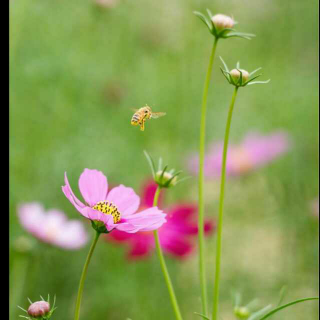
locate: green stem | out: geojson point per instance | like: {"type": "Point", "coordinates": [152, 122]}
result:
{"type": "Point", "coordinates": [221, 202]}
{"type": "Point", "coordinates": [17, 281]}
{"type": "Point", "coordinates": [163, 265]}
{"type": "Point", "coordinates": [202, 274]}
{"type": "Point", "coordinates": [83, 276]}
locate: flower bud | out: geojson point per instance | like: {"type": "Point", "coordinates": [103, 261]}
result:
{"type": "Point", "coordinates": [222, 21]}
{"type": "Point", "coordinates": [163, 178]}
{"type": "Point", "coordinates": [241, 312]}
{"type": "Point", "coordinates": [235, 74]}
{"type": "Point", "coordinates": [39, 309]}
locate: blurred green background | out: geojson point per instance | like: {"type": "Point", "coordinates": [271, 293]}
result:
{"type": "Point", "coordinates": [76, 69]}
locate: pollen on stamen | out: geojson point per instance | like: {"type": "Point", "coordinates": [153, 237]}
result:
{"type": "Point", "coordinates": [108, 208]}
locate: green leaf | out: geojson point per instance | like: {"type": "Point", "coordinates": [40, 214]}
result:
{"type": "Point", "coordinates": [256, 82]}
{"type": "Point", "coordinates": [253, 79]}
{"type": "Point", "coordinates": [160, 164]}
{"type": "Point", "coordinates": [209, 13]}
{"type": "Point", "coordinates": [183, 179]}
{"type": "Point", "coordinates": [247, 36]}
{"type": "Point", "coordinates": [260, 312]}
{"type": "Point", "coordinates": [226, 75]}
{"type": "Point", "coordinates": [282, 293]}
{"type": "Point", "coordinates": [236, 299]}
{"type": "Point", "coordinates": [285, 306]}
{"type": "Point", "coordinates": [224, 64]}
{"type": "Point", "coordinates": [151, 163]}
{"type": "Point", "coordinates": [251, 73]}
{"type": "Point", "coordinates": [204, 19]}
{"type": "Point", "coordinates": [201, 315]}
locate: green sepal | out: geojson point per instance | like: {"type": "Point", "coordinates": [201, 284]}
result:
{"type": "Point", "coordinates": [259, 313]}
{"type": "Point", "coordinates": [285, 306]}
{"type": "Point", "coordinates": [151, 163]}
{"type": "Point", "coordinates": [99, 226]}
{"type": "Point", "coordinates": [201, 315]}
{"type": "Point", "coordinates": [259, 82]}
{"type": "Point", "coordinates": [204, 20]}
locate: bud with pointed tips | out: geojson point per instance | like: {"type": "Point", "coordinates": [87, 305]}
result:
{"type": "Point", "coordinates": [239, 77]}
{"type": "Point", "coordinates": [40, 310]}
{"type": "Point", "coordinates": [164, 177]}
{"type": "Point", "coordinates": [221, 26]}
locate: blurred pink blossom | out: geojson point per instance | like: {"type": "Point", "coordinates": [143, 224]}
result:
{"type": "Point", "coordinates": [253, 152]}
{"type": "Point", "coordinates": [116, 208]}
{"type": "Point", "coordinates": [52, 226]}
{"type": "Point", "coordinates": [174, 235]}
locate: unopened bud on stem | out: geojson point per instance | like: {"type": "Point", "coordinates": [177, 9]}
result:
{"type": "Point", "coordinates": [242, 312]}
{"type": "Point", "coordinates": [235, 74]}
{"type": "Point", "coordinates": [222, 21]}
{"type": "Point", "coordinates": [39, 309]}
{"type": "Point", "coordinates": [164, 177]}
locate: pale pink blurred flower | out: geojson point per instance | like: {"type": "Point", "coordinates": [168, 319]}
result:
{"type": "Point", "coordinates": [52, 226]}
{"type": "Point", "coordinates": [253, 152]}
{"type": "Point", "coordinates": [175, 235]}
{"type": "Point", "coordinates": [116, 208]}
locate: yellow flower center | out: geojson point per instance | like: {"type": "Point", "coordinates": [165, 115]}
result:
{"type": "Point", "coordinates": [108, 208]}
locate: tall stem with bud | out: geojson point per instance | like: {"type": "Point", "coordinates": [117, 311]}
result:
{"type": "Point", "coordinates": [221, 203]}
{"type": "Point", "coordinates": [202, 273]}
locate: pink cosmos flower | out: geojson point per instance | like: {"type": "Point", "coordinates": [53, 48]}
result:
{"type": "Point", "coordinates": [254, 152]}
{"type": "Point", "coordinates": [174, 235]}
{"type": "Point", "coordinates": [52, 226]}
{"type": "Point", "coordinates": [115, 209]}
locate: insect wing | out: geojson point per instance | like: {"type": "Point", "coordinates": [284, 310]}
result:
{"type": "Point", "coordinates": [155, 115]}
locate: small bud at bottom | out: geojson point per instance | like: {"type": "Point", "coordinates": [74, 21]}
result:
{"type": "Point", "coordinates": [39, 309]}
{"type": "Point", "coordinates": [242, 312]}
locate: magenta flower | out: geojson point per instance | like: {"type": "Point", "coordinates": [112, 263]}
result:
{"type": "Point", "coordinates": [174, 235]}
{"type": "Point", "coordinates": [115, 209]}
{"type": "Point", "coordinates": [254, 152]}
{"type": "Point", "coordinates": [52, 226]}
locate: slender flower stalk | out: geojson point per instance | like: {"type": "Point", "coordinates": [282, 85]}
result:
{"type": "Point", "coordinates": [163, 264]}
{"type": "Point", "coordinates": [221, 203]}
{"type": "Point", "coordinates": [220, 26]}
{"type": "Point", "coordinates": [238, 78]}
{"type": "Point", "coordinates": [84, 274]}
{"type": "Point", "coordinates": [201, 180]}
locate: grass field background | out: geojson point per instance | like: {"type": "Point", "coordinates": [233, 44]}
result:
{"type": "Point", "coordinates": [77, 69]}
